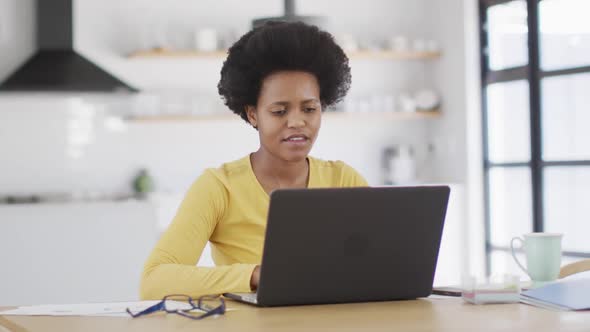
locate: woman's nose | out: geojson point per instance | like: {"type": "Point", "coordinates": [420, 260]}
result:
{"type": "Point", "coordinates": [296, 120]}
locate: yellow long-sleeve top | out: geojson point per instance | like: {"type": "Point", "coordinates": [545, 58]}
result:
{"type": "Point", "coordinates": [228, 207]}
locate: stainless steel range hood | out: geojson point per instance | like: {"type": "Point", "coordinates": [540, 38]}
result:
{"type": "Point", "coordinates": [56, 66]}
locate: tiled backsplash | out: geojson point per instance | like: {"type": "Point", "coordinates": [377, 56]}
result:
{"type": "Point", "coordinates": [80, 143]}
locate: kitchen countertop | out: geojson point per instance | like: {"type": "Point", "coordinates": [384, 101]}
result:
{"type": "Point", "coordinates": [14, 199]}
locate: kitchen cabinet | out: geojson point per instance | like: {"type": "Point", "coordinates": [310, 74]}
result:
{"type": "Point", "coordinates": [74, 252]}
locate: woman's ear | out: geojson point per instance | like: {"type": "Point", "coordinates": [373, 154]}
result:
{"type": "Point", "coordinates": [251, 113]}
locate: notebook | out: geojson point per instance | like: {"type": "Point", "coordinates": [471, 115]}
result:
{"type": "Point", "coordinates": [562, 295]}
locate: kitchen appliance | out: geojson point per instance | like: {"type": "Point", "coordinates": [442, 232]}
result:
{"type": "Point", "coordinates": [56, 66]}
{"type": "Point", "coordinates": [290, 16]}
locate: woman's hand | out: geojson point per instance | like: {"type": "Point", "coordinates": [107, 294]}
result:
{"type": "Point", "coordinates": [255, 278]}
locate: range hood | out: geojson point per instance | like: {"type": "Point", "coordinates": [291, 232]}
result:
{"type": "Point", "coordinates": [56, 66]}
{"type": "Point", "coordinates": [290, 16]}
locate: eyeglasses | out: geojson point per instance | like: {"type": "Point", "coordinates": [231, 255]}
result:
{"type": "Point", "coordinates": [184, 305]}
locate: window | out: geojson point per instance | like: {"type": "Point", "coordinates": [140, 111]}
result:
{"type": "Point", "coordinates": [536, 78]}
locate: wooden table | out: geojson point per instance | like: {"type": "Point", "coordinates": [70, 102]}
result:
{"type": "Point", "coordinates": [432, 314]}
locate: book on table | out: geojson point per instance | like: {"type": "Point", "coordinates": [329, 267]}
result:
{"type": "Point", "coordinates": [566, 294]}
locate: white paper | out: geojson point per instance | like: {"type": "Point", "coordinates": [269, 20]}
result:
{"type": "Point", "coordinates": [115, 309]}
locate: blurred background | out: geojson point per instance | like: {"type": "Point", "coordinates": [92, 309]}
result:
{"type": "Point", "coordinates": [109, 110]}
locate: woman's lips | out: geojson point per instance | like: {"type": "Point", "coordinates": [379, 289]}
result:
{"type": "Point", "coordinates": [296, 140]}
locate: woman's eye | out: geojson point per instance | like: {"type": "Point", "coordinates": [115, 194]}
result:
{"type": "Point", "coordinates": [310, 109]}
{"type": "Point", "coordinates": [279, 112]}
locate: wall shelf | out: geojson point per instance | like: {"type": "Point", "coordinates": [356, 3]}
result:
{"type": "Point", "coordinates": [394, 55]}
{"type": "Point", "coordinates": [327, 115]}
{"type": "Point", "coordinates": [368, 55]}
{"type": "Point", "coordinates": [170, 54]}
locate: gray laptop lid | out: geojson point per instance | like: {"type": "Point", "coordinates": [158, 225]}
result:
{"type": "Point", "coordinates": [351, 244]}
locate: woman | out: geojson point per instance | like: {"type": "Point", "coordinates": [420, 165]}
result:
{"type": "Point", "coordinates": [278, 78]}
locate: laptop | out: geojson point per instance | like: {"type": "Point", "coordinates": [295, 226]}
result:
{"type": "Point", "coordinates": [339, 245]}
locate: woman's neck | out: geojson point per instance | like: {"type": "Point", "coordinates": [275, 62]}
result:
{"type": "Point", "coordinates": [275, 173]}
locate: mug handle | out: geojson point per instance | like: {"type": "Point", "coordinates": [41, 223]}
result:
{"type": "Point", "coordinates": [514, 255]}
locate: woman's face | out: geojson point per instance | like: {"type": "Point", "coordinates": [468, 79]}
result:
{"type": "Point", "coordinates": [288, 114]}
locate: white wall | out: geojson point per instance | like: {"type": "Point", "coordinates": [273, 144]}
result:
{"type": "Point", "coordinates": [474, 203]}
{"type": "Point", "coordinates": [58, 143]}
{"type": "Point", "coordinates": [458, 135]}
{"type": "Point", "coordinates": [449, 74]}
{"type": "Point", "coordinates": [17, 34]}
{"type": "Point", "coordinates": [105, 34]}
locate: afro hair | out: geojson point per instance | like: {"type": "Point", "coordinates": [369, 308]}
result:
{"type": "Point", "coordinates": [279, 46]}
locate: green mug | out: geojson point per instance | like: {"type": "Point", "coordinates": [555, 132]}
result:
{"type": "Point", "coordinates": [543, 255]}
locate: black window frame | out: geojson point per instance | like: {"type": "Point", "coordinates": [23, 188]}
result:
{"type": "Point", "coordinates": [532, 73]}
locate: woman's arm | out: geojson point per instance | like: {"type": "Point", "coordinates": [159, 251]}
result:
{"type": "Point", "coordinates": [170, 269]}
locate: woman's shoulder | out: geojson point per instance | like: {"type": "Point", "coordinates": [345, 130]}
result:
{"type": "Point", "coordinates": [329, 165]}
{"type": "Point", "coordinates": [228, 172]}
{"type": "Point", "coordinates": [338, 172]}
{"type": "Point", "coordinates": [219, 180]}
{"type": "Point", "coordinates": [231, 168]}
